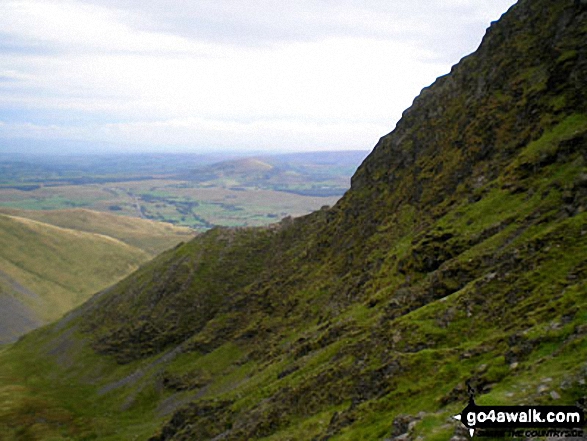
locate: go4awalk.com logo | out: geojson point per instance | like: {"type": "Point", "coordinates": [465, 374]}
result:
{"type": "Point", "coordinates": [560, 420]}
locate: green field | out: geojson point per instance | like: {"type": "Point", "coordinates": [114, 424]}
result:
{"type": "Point", "coordinates": [244, 192]}
{"type": "Point", "coordinates": [177, 202]}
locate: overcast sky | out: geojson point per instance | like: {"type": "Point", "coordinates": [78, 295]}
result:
{"type": "Point", "coordinates": [209, 75]}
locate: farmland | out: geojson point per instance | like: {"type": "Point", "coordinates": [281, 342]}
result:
{"type": "Point", "coordinates": [196, 191]}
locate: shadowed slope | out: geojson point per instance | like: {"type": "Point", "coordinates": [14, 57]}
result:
{"type": "Point", "coordinates": [15, 318]}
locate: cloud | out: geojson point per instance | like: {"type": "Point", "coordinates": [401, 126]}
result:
{"type": "Point", "coordinates": [268, 21]}
{"type": "Point", "coordinates": [275, 135]}
{"type": "Point", "coordinates": [226, 73]}
{"type": "Point", "coordinates": [208, 134]}
{"type": "Point", "coordinates": [336, 78]}
{"type": "Point", "coordinates": [68, 26]}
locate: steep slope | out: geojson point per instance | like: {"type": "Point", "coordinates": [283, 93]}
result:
{"type": "Point", "coordinates": [45, 271]}
{"type": "Point", "coordinates": [150, 236]}
{"type": "Point", "coordinates": [458, 256]}
{"type": "Point", "coordinates": [16, 318]}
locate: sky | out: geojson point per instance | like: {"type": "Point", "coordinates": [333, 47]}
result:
{"type": "Point", "coordinates": [222, 75]}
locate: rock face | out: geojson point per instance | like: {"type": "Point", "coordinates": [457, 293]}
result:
{"type": "Point", "coordinates": [457, 257]}
{"type": "Point", "coordinates": [460, 133]}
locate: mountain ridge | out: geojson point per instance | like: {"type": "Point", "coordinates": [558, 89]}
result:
{"type": "Point", "coordinates": [151, 236]}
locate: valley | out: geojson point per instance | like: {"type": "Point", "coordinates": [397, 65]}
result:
{"type": "Point", "coordinates": [72, 226]}
{"type": "Point", "coordinates": [194, 191]}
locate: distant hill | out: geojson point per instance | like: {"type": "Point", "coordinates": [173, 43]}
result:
{"type": "Point", "coordinates": [237, 170]}
{"type": "Point", "coordinates": [342, 158]}
{"type": "Point", "coordinates": [327, 171]}
{"type": "Point", "coordinates": [241, 166]}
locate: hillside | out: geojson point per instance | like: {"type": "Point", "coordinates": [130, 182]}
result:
{"type": "Point", "coordinates": [150, 236]}
{"type": "Point", "coordinates": [45, 270]}
{"type": "Point", "coordinates": [458, 257]}
{"type": "Point", "coordinates": [54, 263]}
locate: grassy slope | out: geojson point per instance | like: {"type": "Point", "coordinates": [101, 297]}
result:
{"type": "Point", "coordinates": [152, 237]}
{"type": "Point", "coordinates": [458, 255]}
{"type": "Point", "coordinates": [52, 269]}
{"type": "Point", "coordinates": [52, 261]}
